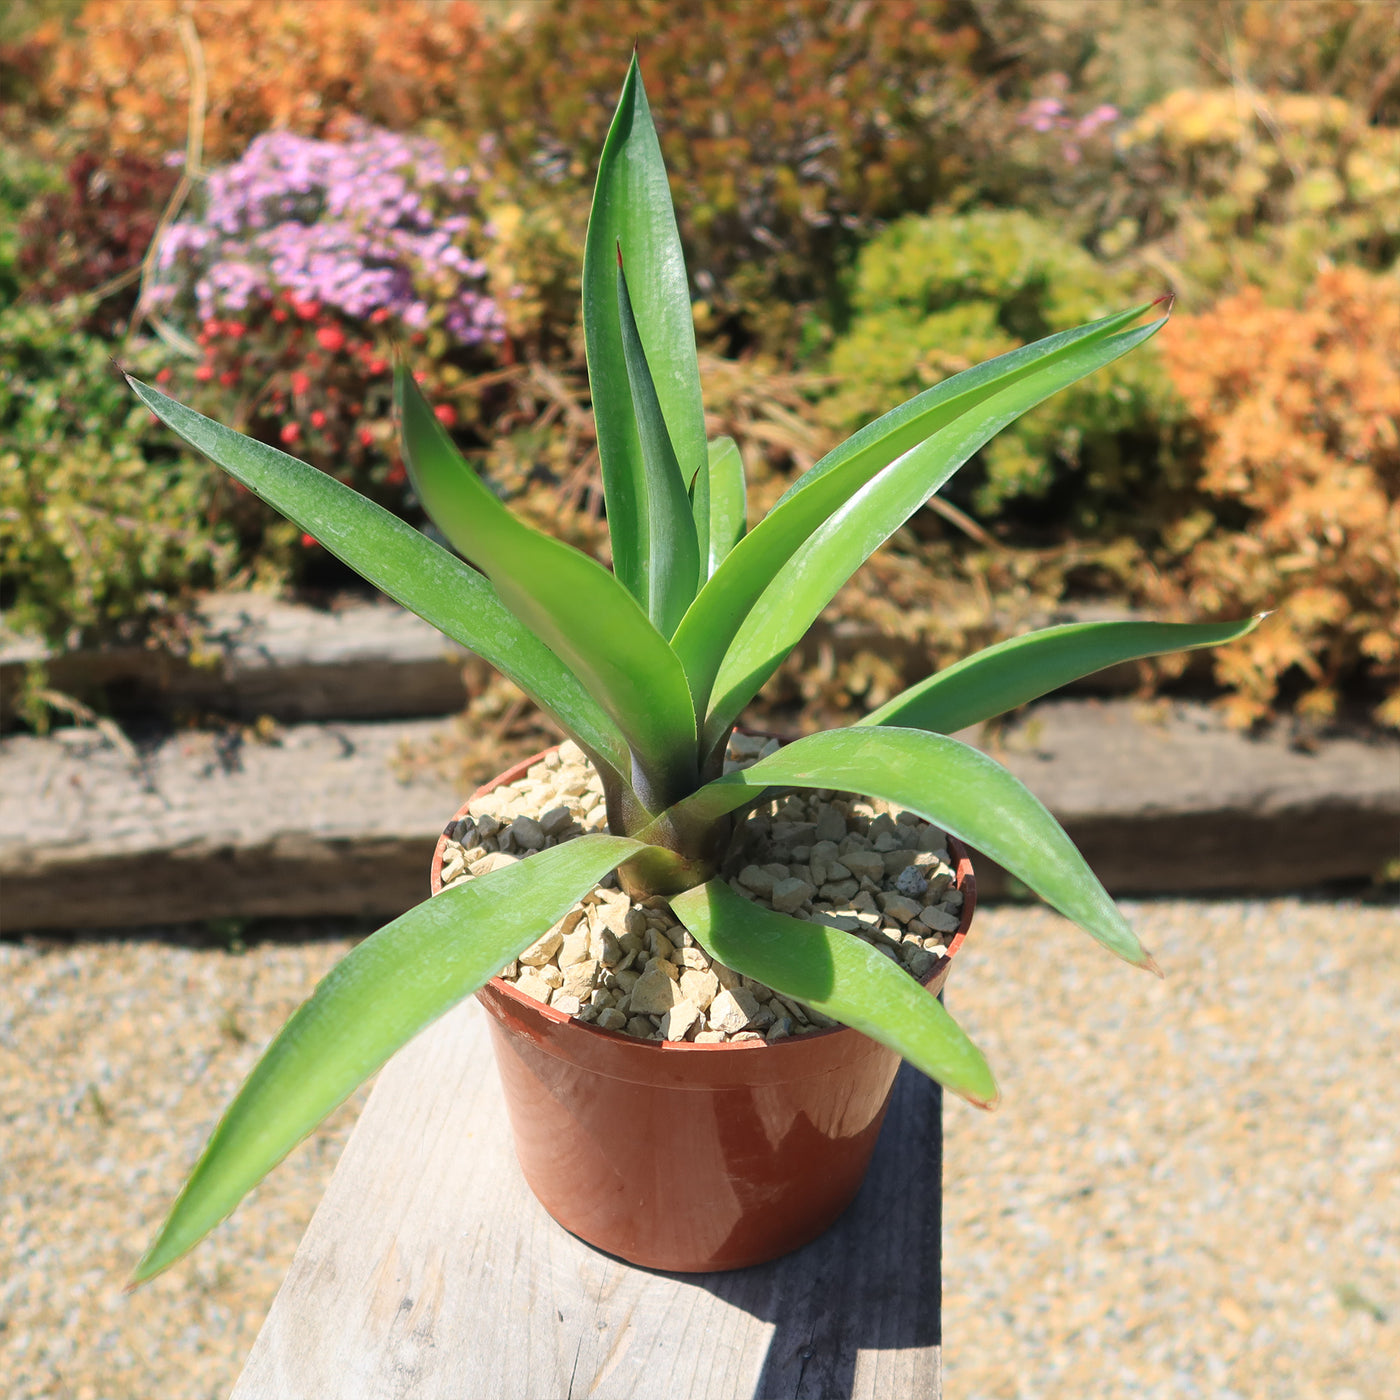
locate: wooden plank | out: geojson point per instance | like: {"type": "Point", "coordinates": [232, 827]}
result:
{"type": "Point", "coordinates": [359, 660]}
{"type": "Point", "coordinates": [206, 825]}
{"type": "Point", "coordinates": [430, 1272]}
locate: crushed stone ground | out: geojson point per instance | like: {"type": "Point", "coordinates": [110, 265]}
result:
{"type": "Point", "coordinates": [1192, 1188]}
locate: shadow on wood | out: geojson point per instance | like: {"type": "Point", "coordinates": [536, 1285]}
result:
{"type": "Point", "coordinates": [872, 1284]}
{"type": "Point", "coordinates": [430, 1272]}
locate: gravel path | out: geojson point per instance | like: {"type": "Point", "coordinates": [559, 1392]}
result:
{"type": "Point", "coordinates": [1206, 1202]}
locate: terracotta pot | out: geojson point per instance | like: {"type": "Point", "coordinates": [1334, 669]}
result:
{"type": "Point", "coordinates": [690, 1158]}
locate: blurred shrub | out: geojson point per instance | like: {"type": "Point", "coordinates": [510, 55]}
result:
{"type": "Point", "coordinates": [24, 179]}
{"type": "Point", "coordinates": [104, 531]}
{"type": "Point", "coordinates": [1342, 47]}
{"type": "Point", "coordinates": [1300, 411]}
{"type": "Point", "coordinates": [936, 295]}
{"type": "Point", "coordinates": [789, 128]}
{"type": "Point", "coordinates": [123, 75]}
{"type": "Point", "coordinates": [304, 260]}
{"type": "Point", "coordinates": [1236, 188]}
{"type": "Point", "coordinates": [91, 235]}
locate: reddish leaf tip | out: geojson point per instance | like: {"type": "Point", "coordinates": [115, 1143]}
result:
{"type": "Point", "coordinates": [1167, 299]}
{"type": "Point", "coordinates": [1150, 963]}
{"type": "Point", "coordinates": [619, 255]}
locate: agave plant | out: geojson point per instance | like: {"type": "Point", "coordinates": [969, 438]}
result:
{"type": "Point", "coordinates": [649, 666]}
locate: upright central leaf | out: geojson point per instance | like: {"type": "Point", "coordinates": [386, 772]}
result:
{"type": "Point", "coordinates": [673, 554]}
{"type": "Point", "coordinates": [632, 207]}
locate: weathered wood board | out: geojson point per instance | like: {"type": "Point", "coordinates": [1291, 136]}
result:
{"type": "Point", "coordinates": [430, 1272]}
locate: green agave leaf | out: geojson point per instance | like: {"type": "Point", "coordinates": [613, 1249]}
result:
{"type": "Point", "coordinates": [952, 785]}
{"type": "Point", "coordinates": [404, 564]}
{"type": "Point", "coordinates": [672, 569]}
{"type": "Point", "coordinates": [376, 999]}
{"type": "Point", "coordinates": [567, 599]}
{"type": "Point", "coordinates": [719, 610]}
{"type": "Point", "coordinates": [841, 977]}
{"type": "Point", "coordinates": [720, 500]}
{"type": "Point", "coordinates": [1020, 670]}
{"type": "Point", "coordinates": [632, 206]}
{"type": "Point", "coordinates": [811, 577]}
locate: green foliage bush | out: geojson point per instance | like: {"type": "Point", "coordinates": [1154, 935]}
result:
{"type": "Point", "coordinates": [933, 295]}
{"type": "Point", "coordinates": [24, 178]}
{"type": "Point", "coordinates": [102, 532]}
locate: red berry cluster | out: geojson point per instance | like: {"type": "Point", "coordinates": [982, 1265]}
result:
{"type": "Point", "coordinates": [302, 377]}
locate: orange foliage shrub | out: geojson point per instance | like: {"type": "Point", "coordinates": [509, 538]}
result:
{"type": "Point", "coordinates": [1300, 411]}
{"type": "Point", "coordinates": [123, 76]}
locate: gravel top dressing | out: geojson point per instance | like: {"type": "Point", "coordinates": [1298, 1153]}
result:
{"type": "Point", "coordinates": [1191, 1189]}
{"type": "Point", "coordinates": [831, 858]}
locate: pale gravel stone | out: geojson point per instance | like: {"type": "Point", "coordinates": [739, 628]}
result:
{"type": "Point", "coordinates": [655, 991]}
{"type": "Point", "coordinates": [678, 1020]}
{"type": "Point", "coordinates": [493, 860]}
{"type": "Point", "coordinates": [574, 949]}
{"type": "Point", "coordinates": [699, 987]}
{"type": "Point", "coordinates": [731, 1011]}
{"type": "Point", "coordinates": [566, 1002]}
{"type": "Point", "coordinates": [710, 1038]}
{"type": "Point", "coordinates": [552, 975]}
{"type": "Point", "coordinates": [581, 978]}
{"type": "Point", "coordinates": [758, 880]}
{"type": "Point", "coordinates": [897, 861]}
{"type": "Point", "coordinates": [899, 907]}
{"type": "Point", "coordinates": [543, 949]}
{"type": "Point", "coordinates": [790, 895]}
{"type": "Point", "coordinates": [532, 983]}
{"type": "Point", "coordinates": [939, 920]}
{"type": "Point", "coordinates": [863, 864]}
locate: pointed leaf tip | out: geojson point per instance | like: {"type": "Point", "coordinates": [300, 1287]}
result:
{"type": "Point", "coordinates": [1150, 964]}
{"type": "Point", "coordinates": [1168, 300]}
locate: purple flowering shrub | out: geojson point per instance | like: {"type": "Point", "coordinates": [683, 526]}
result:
{"type": "Point", "coordinates": [1045, 115]}
{"type": "Point", "coordinates": [304, 263]}
{"type": "Point", "coordinates": [376, 222]}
